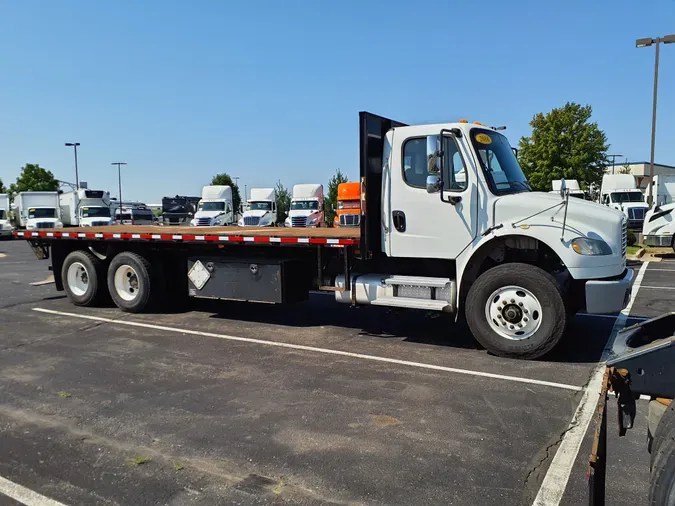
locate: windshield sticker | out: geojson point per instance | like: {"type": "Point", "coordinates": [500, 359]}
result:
{"type": "Point", "coordinates": [483, 138]}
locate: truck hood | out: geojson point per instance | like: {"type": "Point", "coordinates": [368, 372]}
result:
{"type": "Point", "coordinates": [658, 218]}
{"type": "Point", "coordinates": [630, 205]}
{"type": "Point", "coordinates": [584, 218]}
{"type": "Point", "coordinates": [87, 222]}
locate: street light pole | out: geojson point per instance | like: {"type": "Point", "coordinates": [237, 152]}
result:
{"type": "Point", "coordinates": [668, 39]}
{"type": "Point", "coordinates": [119, 181]}
{"type": "Point", "coordinates": [77, 179]}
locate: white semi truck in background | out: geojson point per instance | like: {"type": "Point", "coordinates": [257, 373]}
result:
{"type": "Point", "coordinates": [5, 225]}
{"type": "Point", "coordinates": [85, 208]}
{"type": "Point", "coordinates": [306, 206]}
{"type": "Point", "coordinates": [36, 210]}
{"type": "Point", "coordinates": [215, 207]}
{"type": "Point", "coordinates": [659, 226]}
{"type": "Point", "coordinates": [571, 185]}
{"type": "Point", "coordinates": [261, 208]}
{"type": "Point", "coordinates": [620, 191]}
{"type": "Point", "coordinates": [516, 263]}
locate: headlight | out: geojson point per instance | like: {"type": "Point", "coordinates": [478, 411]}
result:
{"type": "Point", "coordinates": [592, 247]}
{"type": "Point", "coordinates": [59, 224]}
{"type": "Point", "coordinates": [192, 223]}
{"type": "Point", "coordinates": [265, 221]}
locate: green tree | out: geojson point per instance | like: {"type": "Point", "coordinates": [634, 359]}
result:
{"type": "Point", "coordinates": [625, 169]}
{"type": "Point", "coordinates": [564, 144]}
{"type": "Point", "coordinates": [34, 178]}
{"type": "Point", "coordinates": [330, 203]}
{"type": "Point", "coordinates": [283, 202]}
{"type": "Point", "coordinates": [224, 179]}
{"type": "Point", "coordinates": [2, 187]}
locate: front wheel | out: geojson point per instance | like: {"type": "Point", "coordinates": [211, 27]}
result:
{"type": "Point", "coordinates": [516, 310]}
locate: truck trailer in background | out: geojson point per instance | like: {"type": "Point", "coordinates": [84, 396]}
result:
{"type": "Point", "coordinates": [36, 210]}
{"type": "Point", "coordinates": [306, 206]}
{"type": "Point", "coordinates": [348, 205]}
{"type": "Point", "coordinates": [5, 224]}
{"type": "Point", "coordinates": [261, 208]}
{"type": "Point", "coordinates": [85, 208]}
{"type": "Point", "coordinates": [215, 208]}
{"type": "Point", "coordinates": [664, 189]}
{"type": "Point", "coordinates": [178, 210]}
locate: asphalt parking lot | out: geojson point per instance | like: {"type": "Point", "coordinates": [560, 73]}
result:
{"type": "Point", "coordinates": [317, 403]}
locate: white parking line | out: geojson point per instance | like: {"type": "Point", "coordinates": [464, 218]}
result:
{"type": "Point", "coordinates": [660, 287]}
{"type": "Point", "coordinates": [327, 351]}
{"type": "Point", "coordinates": [612, 316]}
{"type": "Point", "coordinates": [555, 482]}
{"type": "Point", "coordinates": [25, 495]}
{"type": "Point", "coordinates": [664, 270]}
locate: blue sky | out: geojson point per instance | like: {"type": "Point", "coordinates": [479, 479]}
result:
{"type": "Point", "coordinates": [270, 90]}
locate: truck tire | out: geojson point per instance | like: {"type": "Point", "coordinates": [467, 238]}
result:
{"type": "Point", "coordinates": [130, 282]}
{"type": "Point", "coordinates": [666, 426]}
{"type": "Point", "coordinates": [82, 275]}
{"type": "Point", "coordinates": [662, 482]}
{"type": "Point", "coordinates": [516, 310]}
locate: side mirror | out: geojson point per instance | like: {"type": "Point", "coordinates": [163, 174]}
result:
{"type": "Point", "coordinates": [434, 154]}
{"type": "Point", "coordinates": [433, 183]}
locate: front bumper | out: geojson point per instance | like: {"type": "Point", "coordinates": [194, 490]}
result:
{"type": "Point", "coordinates": [608, 296]}
{"type": "Point", "coordinates": [6, 232]}
{"type": "Point", "coordinates": [658, 240]}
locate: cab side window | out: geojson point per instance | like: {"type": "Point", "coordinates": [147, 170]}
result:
{"type": "Point", "coordinates": [415, 168]}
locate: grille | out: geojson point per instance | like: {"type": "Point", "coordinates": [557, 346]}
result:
{"type": "Point", "coordinates": [99, 223]}
{"type": "Point", "coordinates": [299, 222]}
{"type": "Point", "coordinates": [350, 220]}
{"type": "Point", "coordinates": [203, 222]}
{"type": "Point", "coordinates": [41, 224]}
{"type": "Point", "coordinates": [251, 221]}
{"type": "Point", "coordinates": [636, 213]}
{"type": "Point", "coordinates": [624, 238]}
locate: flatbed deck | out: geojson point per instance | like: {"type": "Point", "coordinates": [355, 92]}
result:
{"type": "Point", "coordinates": [280, 235]}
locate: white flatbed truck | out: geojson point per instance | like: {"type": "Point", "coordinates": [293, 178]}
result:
{"type": "Point", "coordinates": [448, 224]}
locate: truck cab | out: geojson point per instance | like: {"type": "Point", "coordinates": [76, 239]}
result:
{"type": "Point", "coordinates": [306, 206]}
{"type": "Point", "coordinates": [215, 207]}
{"type": "Point", "coordinates": [37, 210]}
{"type": "Point", "coordinates": [85, 208]}
{"type": "Point", "coordinates": [261, 209]}
{"type": "Point", "coordinates": [659, 226]}
{"type": "Point", "coordinates": [620, 192]}
{"type": "Point", "coordinates": [449, 221]}
{"type": "Point", "coordinates": [348, 205]}
{"type": "Point", "coordinates": [6, 227]}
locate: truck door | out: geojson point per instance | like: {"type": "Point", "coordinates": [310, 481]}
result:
{"type": "Point", "coordinates": [423, 224]}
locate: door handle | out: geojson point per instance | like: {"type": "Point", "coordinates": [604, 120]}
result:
{"type": "Point", "coordinates": [398, 217]}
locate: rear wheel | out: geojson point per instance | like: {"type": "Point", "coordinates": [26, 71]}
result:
{"type": "Point", "coordinates": [130, 282]}
{"type": "Point", "coordinates": [516, 310]}
{"type": "Point", "coordinates": [82, 275]}
{"type": "Point", "coordinates": [662, 483]}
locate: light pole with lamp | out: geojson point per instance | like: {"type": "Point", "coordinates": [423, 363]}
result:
{"type": "Point", "coordinates": [668, 39]}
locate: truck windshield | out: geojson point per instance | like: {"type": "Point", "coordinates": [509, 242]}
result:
{"type": "Point", "coordinates": [619, 197]}
{"type": "Point", "coordinates": [45, 212]}
{"type": "Point", "coordinates": [305, 204]}
{"type": "Point", "coordinates": [499, 164]}
{"type": "Point", "coordinates": [349, 204]}
{"type": "Point", "coordinates": [212, 206]}
{"type": "Point", "coordinates": [260, 206]}
{"type": "Point", "coordinates": [95, 212]}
